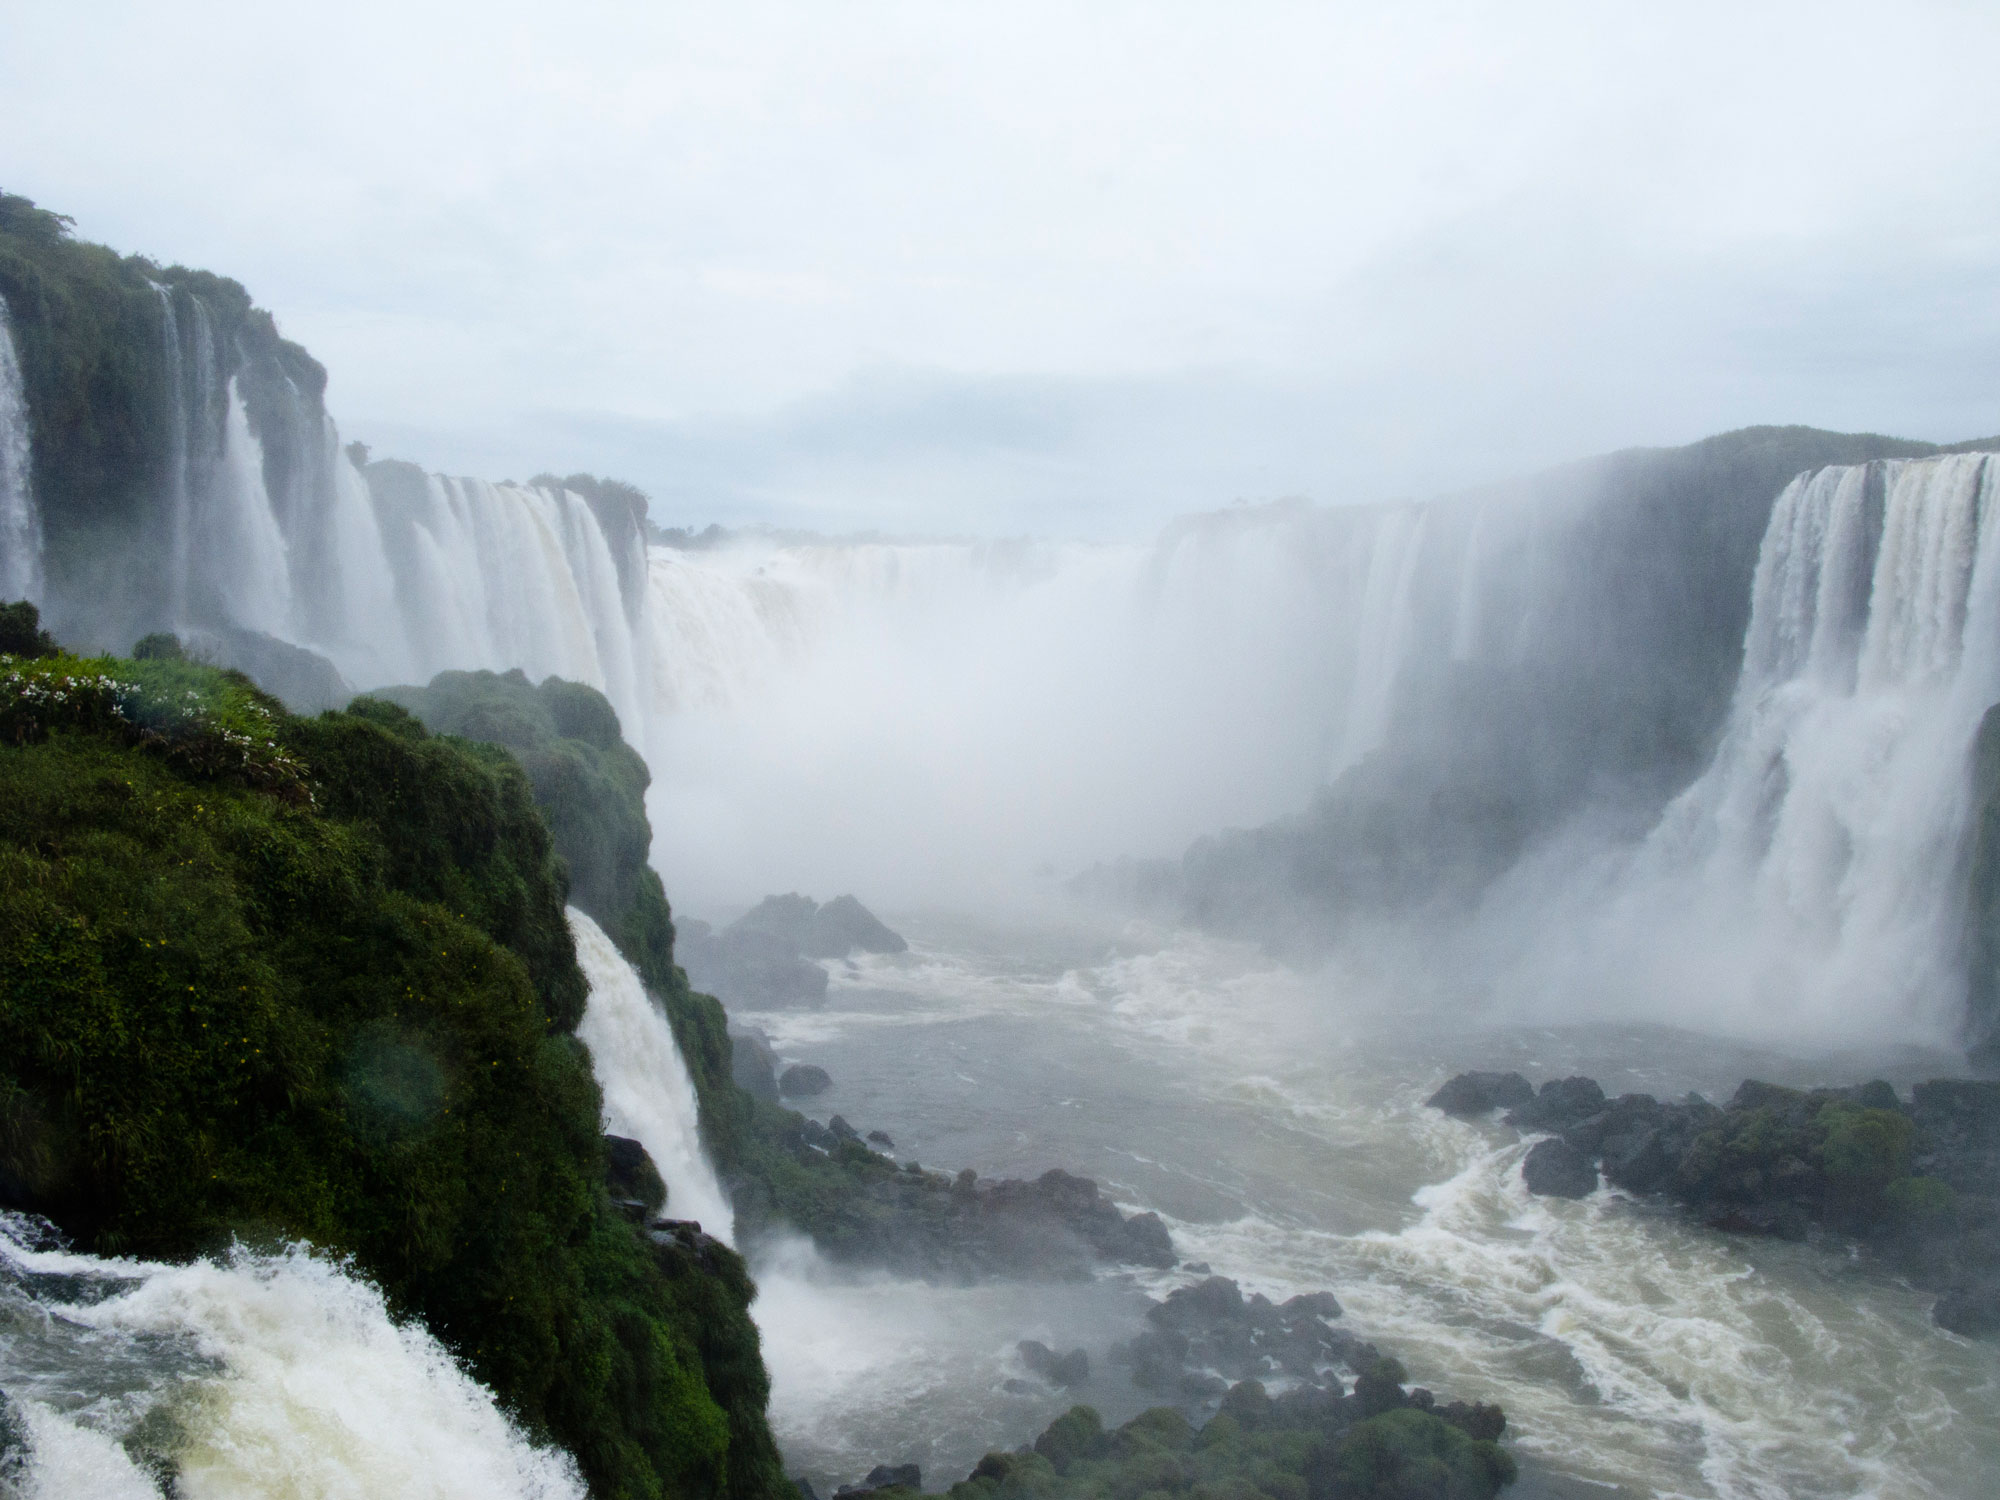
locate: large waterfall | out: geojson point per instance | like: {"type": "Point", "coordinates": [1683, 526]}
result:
{"type": "Point", "coordinates": [1811, 881]}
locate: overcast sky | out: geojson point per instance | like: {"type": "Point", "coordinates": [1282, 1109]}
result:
{"type": "Point", "coordinates": [1054, 267]}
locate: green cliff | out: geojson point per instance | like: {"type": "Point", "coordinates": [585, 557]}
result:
{"type": "Point", "coordinates": [271, 979]}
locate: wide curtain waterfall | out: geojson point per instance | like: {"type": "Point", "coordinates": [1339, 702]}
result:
{"type": "Point", "coordinates": [966, 721]}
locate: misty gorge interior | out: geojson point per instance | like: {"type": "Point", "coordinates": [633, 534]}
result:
{"type": "Point", "coordinates": [1412, 998]}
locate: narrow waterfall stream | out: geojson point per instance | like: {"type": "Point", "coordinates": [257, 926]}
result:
{"type": "Point", "coordinates": [648, 1095]}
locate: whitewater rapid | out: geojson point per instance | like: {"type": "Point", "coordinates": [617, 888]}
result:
{"type": "Point", "coordinates": [249, 1375]}
{"type": "Point", "coordinates": [1276, 1121]}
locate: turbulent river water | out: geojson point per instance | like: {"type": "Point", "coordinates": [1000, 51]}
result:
{"type": "Point", "coordinates": [1276, 1121]}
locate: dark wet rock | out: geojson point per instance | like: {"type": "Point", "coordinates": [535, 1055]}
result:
{"type": "Point", "coordinates": [1211, 1329]}
{"type": "Point", "coordinates": [1781, 1220]}
{"type": "Point", "coordinates": [1558, 1105]}
{"type": "Point", "coordinates": [881, 1478]}
{"type": "Point", "coordinates": [1972, 1311]}
{"type": "Point", "coordinates": [753, 1065]}
{"type": "Point", "coordinates": [881, 1138]}
{"type": "Point", "coordinates": [1068, 1369]}
{"type": "Point", "coordinates": [631, 1178]}
{"type": "Point", "coordinates": [748, 967]}
{"type": "Point", "coordinates": [803, 1080]}
{"type": "Point", "coordinates": [1196, 1268]}
{"type": "Point", "coordinates": [844, 926]}
{"type": "Point", "coordinates": [964, 1229]}
{"type": "Point", "coordinates": [1556, 1169]}
{"type": "Point", "coordinates": [842, 1130]}
{"type": "Point", "coordinates": [1913, 1185]}
{"type": "Point", "coordinates": [1473, 1094]}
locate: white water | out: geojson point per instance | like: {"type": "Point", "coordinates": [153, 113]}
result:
{"type": "Point", "coordinates": [252, 1376]}
{"type": "Point", "coordinates": [1275, 1120]}
{"type": "Point", "coordinates": [648, 1095]}
{"type": "Point", "coordinates": [20, 523]}
{"type": "Point", "coordinates": [1810, 883]}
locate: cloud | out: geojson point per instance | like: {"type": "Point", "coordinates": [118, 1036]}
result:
{"type": "Point", "coordinates": [1043, 258]}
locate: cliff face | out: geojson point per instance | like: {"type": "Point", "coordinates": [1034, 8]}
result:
{"type": "Point", "coordinates": [276, 978]}
{"type": "Point", "coordinates": [1568, 642]}
{"type": "Point", "coordinates": [131, 372]}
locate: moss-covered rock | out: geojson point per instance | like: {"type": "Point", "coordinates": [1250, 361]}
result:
{"type": "Point", "coordinates": [269, 979]}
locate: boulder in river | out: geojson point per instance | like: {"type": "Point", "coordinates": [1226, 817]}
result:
{"type": "Point", "coordinates": [1473, 1094]}
{"type": "Point", "coordinates": [1561, 1103]}
{"type": "Point", "coordinates": [1068, 1369]}
{"type": "Point", "coordinates": [1556, 1169]}
{"type": "Point", "coordinates": [803, 1080]}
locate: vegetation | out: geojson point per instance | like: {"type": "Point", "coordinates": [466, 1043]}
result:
{"type": "Point", "coordinates": [1380, 1443]}
{"type": "Point", "coordinates": [265, 978]}
{"type": "Point", "coordinates": [591, 786]}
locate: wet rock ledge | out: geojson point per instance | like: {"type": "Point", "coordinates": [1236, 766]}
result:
{"type": "Point", "coordinates": [1914, 1184]}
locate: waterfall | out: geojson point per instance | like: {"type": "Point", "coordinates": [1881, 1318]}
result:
{"type": "Point", "coordinates": [20, 526]}
{"type": "Point", "coordinates": [648, 1094]}
{"type": "Point", "coordinates": [1810, 881]}
{"type": "Point", "coordinates": [250, 1374]}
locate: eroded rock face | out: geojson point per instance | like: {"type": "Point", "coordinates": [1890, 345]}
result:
{"type": "Point", "coordinates": [753, 1065]}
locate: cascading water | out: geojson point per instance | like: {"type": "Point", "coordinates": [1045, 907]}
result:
{"type": "Point", "coordinates": [648, 1094]}
{"type": "Point", "coordinates": [1809, 883]}
{"type": "Point", "coordinates": [252, 1374]}
{"type": "Point", "coordinates": [20, 526]}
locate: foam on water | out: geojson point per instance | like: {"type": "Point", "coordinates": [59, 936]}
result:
{"type": "Point", "coordinates": [250, 1376]}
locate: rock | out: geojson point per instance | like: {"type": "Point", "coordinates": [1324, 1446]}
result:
{"type": "Point", "coordinates": [1312, 1304]}
{"type": "Point", "coordinates": [845, 926]}
{"type": "Point", "coordinates": [1473, 1094]}
{"type": "Point", "coordinates": [1068, 1369]}
{"type": "Point", "coordinates": [805, 1489]}
{"type": "Point", "coordinates": [1562, 1103]}
{"type": "Point", "coordinates": [1147, 1242]}
{"type": "Point", "coordinates": [787, 918]}
{"type": "Point", "coordinates": [803, 1080]}
{"type": "Point", "coordinates": [1784, 1221]}
{"type": "Point", "coordinates": [881, 1138]}
{"type": "Point", "coordinates": [752, 1064]}
{"type": "Point", "coordinates": [1556, 1169]}
{"type": "Point", "coordinates": [883, 1477]}
{"type": "Point", "coordinates": [748, 967]}
{"type": "Point", "coordinates": [841, 1130]}
{"type": "Point", "coordinates": [1217, 1298]}
{"type": "Point", "coordinates": [1971, 1312]}
{"type": "Point", "coordinates": [631, 1178]}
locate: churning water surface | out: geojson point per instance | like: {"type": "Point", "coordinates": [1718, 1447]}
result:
{"type": "Point", "coordinates": [1276, 1121]}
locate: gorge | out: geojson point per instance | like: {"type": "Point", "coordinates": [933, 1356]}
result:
{"type": "Point", "coordinates": [1216, 854]}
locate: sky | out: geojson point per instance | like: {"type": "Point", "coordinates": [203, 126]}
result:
{"type": "Point", "coordinates": [1065, 268]}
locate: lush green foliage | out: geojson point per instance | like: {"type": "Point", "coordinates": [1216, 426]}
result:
{"type": "Point", "coordinates": [342, 1017]}
{"type": "Point", "coordinates": [1305, 1446]}
{"type": "Point", "coordinates": [591, 787]}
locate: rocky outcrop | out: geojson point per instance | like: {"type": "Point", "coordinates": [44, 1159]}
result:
{"type": "Point", "coordinates": [1556, 1169]}
{"type": "Point", "coordinates": [747, 967]}
{"type": "Point", "coordinates": [1916, 1185]}
{"type": "Point", "coordinates": [803, 1081]}
{"type": "Point", "coordinates": [964, 1229]}
{"type": "Point", "coordinates": [1205, 1335]}
{"type": "Point", "coordinates": [1472, 1094]}
{"type": "Point", "coordinates": [766, 957]}
{"type": "Point", "coordinates": [1069, 1369]}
